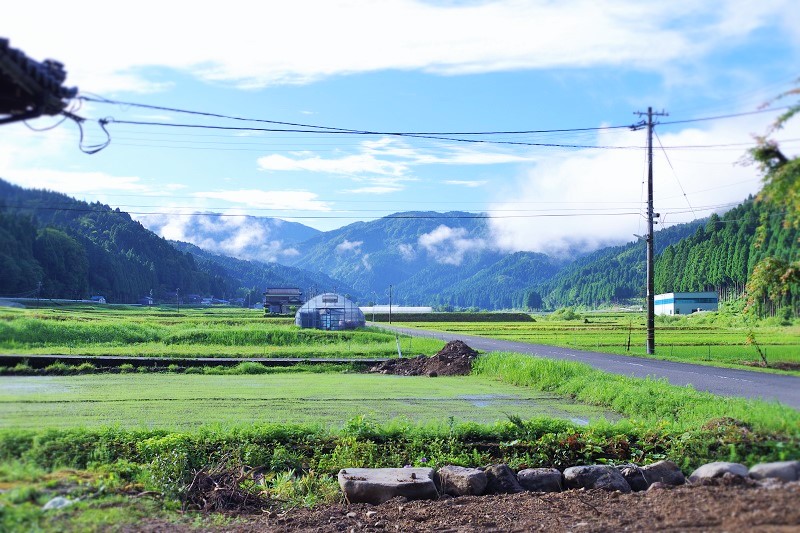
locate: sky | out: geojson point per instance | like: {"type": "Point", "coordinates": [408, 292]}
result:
{"type": "Point", "coordinates": [399, 66]}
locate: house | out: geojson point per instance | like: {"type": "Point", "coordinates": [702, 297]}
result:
{"type": "Point", "coordinates": [146, 300]}
{"type": "Point", "coordinates": [281, 300]}
{"type": "Point", "coordinates": [685, 303]}
{"type": "Point", "coordinates": [98, 299]}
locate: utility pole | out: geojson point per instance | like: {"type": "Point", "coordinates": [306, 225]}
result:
{"type": "Point", "coordinates": [651, 321]}
{"type": "Point", "coordinates": [390, 304]}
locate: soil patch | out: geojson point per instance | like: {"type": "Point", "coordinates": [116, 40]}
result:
{"type": "Point", "coordinates": [455, 359]}
{"type": "Point", "coordinates": [779, 365]}
{"type": "Point", "coordinates": [716, 507]}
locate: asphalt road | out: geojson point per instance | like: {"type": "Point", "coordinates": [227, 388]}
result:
{"type": "Point", "coordinates": [724, 381]}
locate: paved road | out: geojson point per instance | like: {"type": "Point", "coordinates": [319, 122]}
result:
{"type": "Point", "coordinates": [724, 381]}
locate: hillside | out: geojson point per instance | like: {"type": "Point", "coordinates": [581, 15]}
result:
{"type": "Point", "coordinates": [77, 249]}
{"type": "Point", "coordinates": [608, 275]}
{"type": "Point", "coordinates": [256, 275]}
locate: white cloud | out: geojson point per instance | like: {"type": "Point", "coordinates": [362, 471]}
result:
{"type": "Point", "coordinates": [467, 183]}
{"type": "Point", "coordinates": [449, 245]}
{"type": "Point", "coordinates": [349, 246]}
{"type": "Point", "coordinates": [351, 164]}
{"type": "Point", "coordinates": [378, 189]}
{"type": "Point", "coordinates": [230, 233]}
{"type": "Point", "coordinates": [407, 251]}
{"type": "Point", "coordinates": [256, 44]}
{"type": "Point", "coordinates": [278, 200]}
{"type": "Point", "coordinates": [600, 186]}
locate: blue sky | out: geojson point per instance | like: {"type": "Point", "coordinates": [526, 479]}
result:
{"type": "Point", "coordinates": [399, 65]}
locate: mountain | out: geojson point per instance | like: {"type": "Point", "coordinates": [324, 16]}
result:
{"type": "Point", "coordinates": [430, 258]}
{"type": "Point", "coordinates": [608, 275]}
{"type": "Point", "coordinates": [723, 254]}
{"type": "Point", "coordinates": [77, 249]}
{"type": "Point", "coordinates": [244, 237]}
{"type": "Point", "coordinates": [257, 275]}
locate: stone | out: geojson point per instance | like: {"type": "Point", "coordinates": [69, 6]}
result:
{"type": "Point", "coordinates": [657, 485]}
{"type": "Point", "coordinates": [377, 485]}
{"type": "Point", "coordinates": [718, 469]}
{"type": "Point", "coordinates": [501, 480]}
{"type": "Point", "coordinates": [783, 470]}
{"type": "Point", "coordinates": [58, 502]}
{"type": "Point", "coordinates": [665, 472]}
{"type": "Point", "coordinates": [540, 479]}
{"type": "Point", "coordinates": [635, 477]}
{"type": "Point", "coordinates": [595, 477]}
{"type": "Point", "coordinates": [460, 481]}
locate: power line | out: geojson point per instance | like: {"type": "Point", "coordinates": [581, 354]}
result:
{"type": "Point", "coordinates": [341, 130]}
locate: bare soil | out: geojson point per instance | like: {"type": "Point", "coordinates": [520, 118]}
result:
{"type": "Point", "coordinates": [719, 506]}
{"type": "Point", "coordinates": [455, 359]}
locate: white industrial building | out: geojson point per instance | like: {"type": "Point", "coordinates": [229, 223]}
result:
{"type": "Point", "coordinates": [685, 303]}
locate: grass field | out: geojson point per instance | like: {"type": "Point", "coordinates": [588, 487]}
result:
{"type": "Point", "coordinates": [704, 339]}
{"type": "Point", "coordinates": [184, 402]}
{"type": "Point", "coordinates": [210, 332]}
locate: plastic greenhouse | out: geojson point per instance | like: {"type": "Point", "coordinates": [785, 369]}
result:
{"type": "Point", "coordinates": [329, 312]}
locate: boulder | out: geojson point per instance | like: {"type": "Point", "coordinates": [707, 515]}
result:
{"type": "Point", "coordinates": [595, 477]}
{"type": "Point", "coordinates": [665, 472]}
{"type": "Point", "coordinates": [635, 477]}
{"type": "Point", "coordinates": [718, 469]}
{"type": "Point", "coordinates": [58, 502]}
{"type": "Point", "coordinates": [377, 485]}
{"type": "Point", "coordinates": [783, 470]}
{"type": "Point", "coordinates": [540, 479]}
{"type": "Point", "coordinates": [460, 481]}
{"type": "Point", "coordinates": [501, 480]}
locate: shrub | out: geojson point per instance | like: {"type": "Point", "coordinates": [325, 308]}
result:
{"type": "Point", "coordinates": [125, 368]}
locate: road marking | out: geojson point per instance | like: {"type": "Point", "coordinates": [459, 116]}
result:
{"type": "Point", "coordinates": [735, 379]}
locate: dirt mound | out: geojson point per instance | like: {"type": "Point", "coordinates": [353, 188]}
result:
{"type": "Point", "coordinates": [455, 359]}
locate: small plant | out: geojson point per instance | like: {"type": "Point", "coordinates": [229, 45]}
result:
{"type": "Point", "coordinates": [86, 368]}
{"type": "Point", "coordinates": [125, 368]}
{"type": "Point", "coordinates": [751, 341]}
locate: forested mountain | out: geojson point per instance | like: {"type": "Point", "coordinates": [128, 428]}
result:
{"type": "Point", "coordinates": [445, 259]}
{"type": "Point", "coordinates": [722, 254]}
{"type": "Point", "coordinates": [256, 275]}
{"type": "Point", "coordinates": [608, 275]}
{"type": "Point", "coordinates": [76, 249]}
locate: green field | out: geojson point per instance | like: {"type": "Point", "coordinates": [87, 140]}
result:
{"type": "Point", "coordinates": [206, 332]}
{"type": "Point", "coordinates": [703, 338]}
{"type": "Point", "coordinates": [185, 402]}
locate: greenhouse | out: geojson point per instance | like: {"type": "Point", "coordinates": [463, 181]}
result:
{"type": "Point", "coordinates": [329, 312]}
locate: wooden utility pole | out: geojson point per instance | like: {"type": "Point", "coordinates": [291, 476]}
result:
{"type": "Point", "coordinates": [651, 321]}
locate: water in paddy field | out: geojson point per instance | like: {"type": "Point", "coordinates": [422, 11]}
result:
{"type": "Point", "coordinates": [181, 401]}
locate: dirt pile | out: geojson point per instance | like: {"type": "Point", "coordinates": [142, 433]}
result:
{"type": "Point", "coordinates": [455, 359]}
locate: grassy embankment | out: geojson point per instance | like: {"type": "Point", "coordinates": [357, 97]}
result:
{"type": "Point", "coordinates": [210, 332]}
{"type": "Point", "coordinates": [707, 338]}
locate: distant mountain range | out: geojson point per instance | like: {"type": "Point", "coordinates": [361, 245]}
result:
{"type": "Point", "coordinates": [442, 259]}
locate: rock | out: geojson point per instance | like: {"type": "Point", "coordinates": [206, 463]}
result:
{"type": "Point", "coordinates": [718, 469]}
{"type": "Point", "coordinates": [57, 503]}
{"type": "Point", "coordinates": [635, 477]}
{"type": "Point", "coordinates": [783, 470]}
{"type": "Point", "coordinates": [377, 485]}
{"type": "Point", "coordinates": [371, 514]}
{"type": "Point", "coordinates": [501, 480]}
{"type": "Point", "coordinates": [540, 479]}
{"type": "Point", "coordinates": [665, 472]}
{"type": "Point", "coordinates": [460, 481]}
{"type": "Point", "coordinates": [657, 485]}
{"type": "Point", "coordinates": [595, 477]}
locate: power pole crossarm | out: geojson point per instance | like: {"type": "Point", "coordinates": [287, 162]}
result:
{"type": "Point", "coordinates": [651, 321]}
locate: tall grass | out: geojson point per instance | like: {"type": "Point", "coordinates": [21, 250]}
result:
{"type": "Point", "coordinates": [653, 401]}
